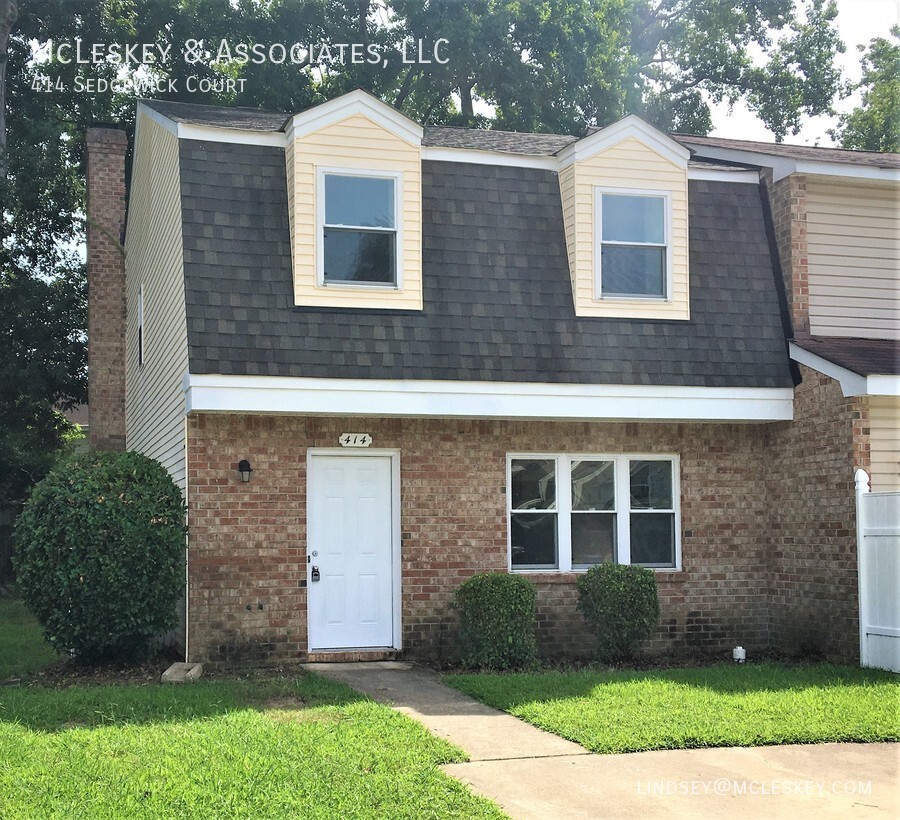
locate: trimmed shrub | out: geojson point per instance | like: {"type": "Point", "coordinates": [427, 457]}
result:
{"type": "Point", "coordinates": [621, 605]}
{"type": "Point", "coordinates": [99, 554]}
{"type": "Point", "coordinates": [497, 621]}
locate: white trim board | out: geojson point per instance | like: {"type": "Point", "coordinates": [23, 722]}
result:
{"type": "Point", "coordinates": [480, 157]}
{"type": "Point", "coordinates": [784, 166]}
{"type": "Point", "coordinates": [718, 175]}
{"type": "Point", "coordinates": [628, 126]}
{"type": "Point", "coordinates": [211, 393]}
{"type": "Point", "coordinates": [348, 105]}
{"type": "Point", "coordinates": [852, 384]}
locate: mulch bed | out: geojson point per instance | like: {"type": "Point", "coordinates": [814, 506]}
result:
{"type": "Point", "coordinates": [650, 663]}
{"type": "Point", "coordinates": [66, 673]}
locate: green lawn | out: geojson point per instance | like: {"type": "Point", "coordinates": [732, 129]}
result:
{"type": "Point", "coordinates": [23, 650]}
{"type": "Point", "coordinates": [726, 705]}
{"type": "Point", "coordinates": [300, 747]}
{"type": "Point", "coordinates": [292, 747]}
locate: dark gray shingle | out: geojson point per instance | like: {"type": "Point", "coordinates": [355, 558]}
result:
{"type": "Point", "coordinates": [498, 300]}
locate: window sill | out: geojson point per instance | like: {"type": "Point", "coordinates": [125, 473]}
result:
{"type": "Point", "coordinates": [662, 300]}
{"type": "Point", "coordinates": [360, 286]}
{"type": "Point", "coordinates": [664, 575]}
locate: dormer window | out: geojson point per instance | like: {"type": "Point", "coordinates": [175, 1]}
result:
{"type": "Point", "coordinates": [635, 244]}
{"type": "Point", "coordinates": [359, 228]}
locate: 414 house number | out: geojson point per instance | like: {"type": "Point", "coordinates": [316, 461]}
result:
{"type": "Point", "coordinates": [355, 439]}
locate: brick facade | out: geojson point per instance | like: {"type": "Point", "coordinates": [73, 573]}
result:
{"type": "Point", "coordinates": [106, 286]}
{"type": "Point", "coordinates": [247, 543]}
{"type": "Point", "coordinates": [788, 202]}
{"type": "Point", "coordinates": [810, 482]}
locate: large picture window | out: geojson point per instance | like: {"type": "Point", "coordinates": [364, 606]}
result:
{"type": "Point", "coordinates": [359, 229]}
{"type": "Point", "coordinates": [632, 231]}
{"type": "Point", "coordinates": [570, 512]}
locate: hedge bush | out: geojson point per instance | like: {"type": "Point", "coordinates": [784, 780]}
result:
{"type": "Point", "coordinates": [99, 554]}
{"type": "Point", "coordinates": [621, 605]}
{"type": "Point", "coordinates": [496, 621]}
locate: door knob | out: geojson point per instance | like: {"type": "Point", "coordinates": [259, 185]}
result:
{"type": "Point", "coordinates": [315, 574]}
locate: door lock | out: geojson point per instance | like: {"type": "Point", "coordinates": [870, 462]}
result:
{"type": "Point", "coordinates": [315, 574]}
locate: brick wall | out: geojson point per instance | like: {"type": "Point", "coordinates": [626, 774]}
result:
{"type": "Point", "coordinates": [247, 544]}
{"type": "Point", "coordinates": [810, 485]}
{"type": "Point", "coordinates": [788, 201]}
{"type": "Point", "coordinates": [106, 286]}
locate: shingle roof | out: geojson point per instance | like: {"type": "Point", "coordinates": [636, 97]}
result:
{"type": "Point", "coordinates": [514, 142]}
{"type": "Point", "coordinates": [497, 300]}
{"type": "Point", "coordinates": [868, 357]}
{"type": "Point", "coordinates": [244, 119]}
{"type": "Point", "coordinates": [872, 159]}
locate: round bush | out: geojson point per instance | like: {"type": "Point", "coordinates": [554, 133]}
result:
{"type": "Point", "coordinates": [621, 605]}
{"type": "Point", "coordinates": [99, 554]}
{"type": "Point", "coordinates": [496, 621]}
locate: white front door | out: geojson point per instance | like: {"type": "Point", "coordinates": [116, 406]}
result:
{"type": "Point", "coordinates": [350, 552]}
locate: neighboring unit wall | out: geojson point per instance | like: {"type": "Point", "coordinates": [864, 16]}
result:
{"type": "Point", "coordinates": [809, 487]}
{"type": "Point", "coordinates": [247, 555]}
{"type": "Point", "coordinates": [629, 165]}
{"type": "Point", "coordinates": [353, 143]}
{"type": "Point", "coordinates": [788, 201]}
{"type": "Point", "coordinates": [154, 405]}
{"type": "Point", "coordinates": [884, 442]}
{"type": "Point", "coordinates": [853, 234]}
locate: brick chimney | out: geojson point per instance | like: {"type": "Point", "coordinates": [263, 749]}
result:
{"type": "Point", "coordinates": [106, 286]}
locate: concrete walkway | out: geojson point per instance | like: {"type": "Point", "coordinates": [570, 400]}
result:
{"type": "Point", "coordinates": [534, 774]}
{"type": "Point", "coordinates": [481, 732]}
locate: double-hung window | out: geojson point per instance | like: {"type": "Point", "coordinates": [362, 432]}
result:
{"type": "Point", "coordinates": [570, 512]}
{"type": "Point", "coordinates": [635, 245]}
{"type": "Point", "coordinates": [359, 229]}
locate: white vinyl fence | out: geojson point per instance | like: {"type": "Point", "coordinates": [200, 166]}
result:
{"type": "Point", "coordinates": [878, 540]}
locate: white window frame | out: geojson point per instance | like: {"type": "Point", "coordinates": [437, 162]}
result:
{"type": "Point", "coordinates": [563, 478]}
{"type": "Point", "coordinates": [141, 331]}
{"type": "Point", "coordinates": [666, 196]}
{"type": "Point", "coordinates": [397, 176]}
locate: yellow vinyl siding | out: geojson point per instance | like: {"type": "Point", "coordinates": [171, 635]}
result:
{"type": "Point", "coordinates": [360, 144]}
{"type": "Point", "coordinates": [853, 236]}
{"type": "Point", "coordinates": [154, 399]}
{"type": "Point", "coordinates": [567, 192]}
{"type": "Point", "coordinates": [628, 165]}
{"type": "Point", "coordinates": [884, 442]}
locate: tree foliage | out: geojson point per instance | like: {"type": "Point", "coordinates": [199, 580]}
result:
{"type": "Point", "coordinates": [875, 124]}
{"type": "Point", "coordinates": [42, 370]}
{"type": "Point", "coordinates": [540, 65]}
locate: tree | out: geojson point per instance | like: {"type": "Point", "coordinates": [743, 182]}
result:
{"type": "Point", "coordinates": [562, 65]}
{"type": "Point", "coordinates": [8, 15]}
{"type": "Point", "coordinates": [42, 370]}
{"type": "Point", "coordinates": [875, 125]}
{"type": "Point", "coordinates": [540, 65]}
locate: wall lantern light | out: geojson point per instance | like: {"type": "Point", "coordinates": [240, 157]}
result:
{"type": "Point", "coordinates": [244, 469]}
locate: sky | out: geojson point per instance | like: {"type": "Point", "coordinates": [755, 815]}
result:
{"type": "Point", "coordinates": [858, 21]}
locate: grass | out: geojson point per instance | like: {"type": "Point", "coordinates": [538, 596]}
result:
{"type": "Point", "coordinates": [291, 747]}
{"type": "Point", "coordinates": [727, 705]}
{"type": "Point", "coordinates": [23, 650]}
{"type": "Point", "coordinates": [301, 747]}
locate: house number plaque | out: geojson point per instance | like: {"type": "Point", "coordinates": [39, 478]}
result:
{"type": "Point", "coordinates": [355, 439]}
